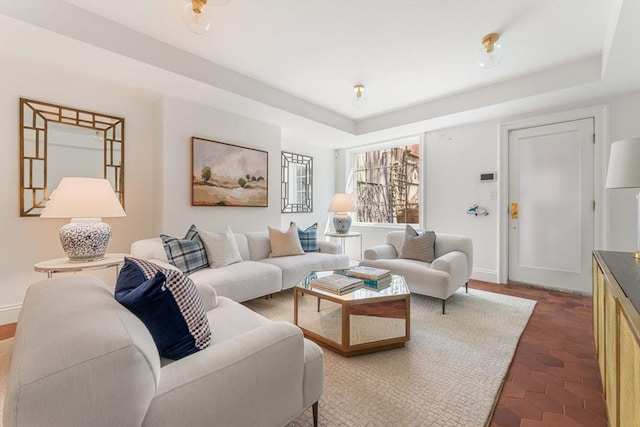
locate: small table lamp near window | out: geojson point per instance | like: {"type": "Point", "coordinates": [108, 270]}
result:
{"type": "Point", "coordinates": [341, 204]}
{"type": "Point", "coordinates": [86, 201]}
{"type": "Point", "coordinates": [624, 171]}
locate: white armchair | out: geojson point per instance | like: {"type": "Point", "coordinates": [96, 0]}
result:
{"type": "Point", "coordinates": [440, 279]}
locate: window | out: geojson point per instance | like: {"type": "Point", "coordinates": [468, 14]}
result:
{"type": "Point", "coordinates": [386, 184]}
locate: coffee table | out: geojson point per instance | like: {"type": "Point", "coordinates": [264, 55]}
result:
{"type": "Point", "coordinates": [363, 321]}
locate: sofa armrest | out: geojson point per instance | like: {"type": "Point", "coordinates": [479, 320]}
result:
{"type": "Point", "coordinates": [381, 252]}
{"type": "Point", "coordinates": [329, 247]}
{"type": "Point", "coordinates": [255, 378]}
{"type": "Point", "coordinates": [208, 295]}
{"type": "Point", "coordinates": [455, 264]}
{"type": "Point", "coordinates": [151, 248]}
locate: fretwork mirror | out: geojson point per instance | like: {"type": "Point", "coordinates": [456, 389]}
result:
{"type": "Point", "coordinates": [297, 183]}
{"type": "Point", "coordinates": [58, 141]}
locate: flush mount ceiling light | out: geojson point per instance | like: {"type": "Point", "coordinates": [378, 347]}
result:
{"type": "Point", "coordinates": [490, 54]}
{"type": "Point", "coordinates": [194, 17]}
{"type": "Point", "coordinates": [360, 99]}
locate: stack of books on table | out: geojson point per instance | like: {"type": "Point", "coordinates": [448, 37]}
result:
{"type": "Point", "coordinates": [374, 278]}
{"type": "Point", "coordinates": [337, 284]}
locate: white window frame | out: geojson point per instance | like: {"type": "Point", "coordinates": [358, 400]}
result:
{"type": "Point", "coordinates": [399, 142]}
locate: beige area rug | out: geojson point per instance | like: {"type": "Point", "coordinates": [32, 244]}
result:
{"type": "Point", "coordinates": [6, 347]}
{"type": "Point", "coordinates": [448, 375]}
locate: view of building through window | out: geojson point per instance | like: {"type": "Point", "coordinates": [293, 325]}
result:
{"type": "Point", "coordinates": [387, 185]}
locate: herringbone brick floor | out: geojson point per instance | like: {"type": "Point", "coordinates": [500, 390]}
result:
{"type": "Point", "coordinates": [554, 380]}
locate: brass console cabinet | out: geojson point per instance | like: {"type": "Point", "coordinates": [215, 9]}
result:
{"type": "Point", "coordinates": [616, 331]}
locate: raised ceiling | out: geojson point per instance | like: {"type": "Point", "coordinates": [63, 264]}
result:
{"type": "Point", "coordinates": [417, 59]}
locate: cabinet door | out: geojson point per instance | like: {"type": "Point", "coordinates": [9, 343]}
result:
{"type": "Point", "coordinates": [629, 387]}
{"type": "Point", "coordinates": [610, 354]}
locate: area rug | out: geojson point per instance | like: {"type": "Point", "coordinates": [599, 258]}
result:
{"type": "Point", "coordinates": [6, 347]}
{"type": "Point", "coordinates": [448, 375]}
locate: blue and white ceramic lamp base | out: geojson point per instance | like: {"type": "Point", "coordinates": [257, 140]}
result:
{"type": "Point", "coordinates": [85, 239]}
{"type": "Point", "coordinates": [342, 223]}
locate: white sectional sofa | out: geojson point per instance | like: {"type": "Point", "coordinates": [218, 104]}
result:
{"type": "Point", "coordinates": [450, 270]}
{"type": "Point", "coordinates": [81, 359]}
{"type": "Point", "coordinates": [257, 275]}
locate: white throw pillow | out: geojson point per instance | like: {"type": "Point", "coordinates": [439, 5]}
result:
{"type": "Point", "coordinates": [221, 248]}
{"type": "Point", "coordinates": [285, 244]}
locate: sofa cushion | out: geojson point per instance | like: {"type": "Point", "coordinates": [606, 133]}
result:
{"type": "Point", "coordinates": [241, 281]}
{"type": "Point", "coordinates": [168, 304]}
{"type": "Point", "coordinates": [295, 268]}
{"type": "Point", "coordinates": [187, 254]}
{"type": "Point", "coordinates": [418, 246]}
{"type": "Point", "coordinates": [309, 238]}
{"type": "Point", "coordinates": [221, 248]}
{"type": "Point", "coordinates": [285, 243]}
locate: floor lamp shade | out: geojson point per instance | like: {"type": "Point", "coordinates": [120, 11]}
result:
{"type": "Point", "coordinates": [86, 201]}
{"type": "Point", "coordinates": [624, 171]}
{"type": "Point", "coordinates": [341, 204]}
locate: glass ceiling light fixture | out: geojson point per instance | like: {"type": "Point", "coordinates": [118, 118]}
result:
{"type": "Point", "coordinates": [194, 17]}
{"type": "Point", "coordinates": [490, 54]}
{"type": "Point", "coordinates": [360, 99]}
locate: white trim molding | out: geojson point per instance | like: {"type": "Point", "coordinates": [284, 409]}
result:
{"type": "Point", "coordinates": [9, 313]}
{"type": "Point", "coordinates": [485, 275]}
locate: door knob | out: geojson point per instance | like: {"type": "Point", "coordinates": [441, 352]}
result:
{"type": "Point", "coordinates": [514, 211]}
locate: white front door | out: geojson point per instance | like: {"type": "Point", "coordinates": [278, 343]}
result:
{"type": "Point", "coordinates": [551, 205]}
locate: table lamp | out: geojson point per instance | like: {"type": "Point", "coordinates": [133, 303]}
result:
{"type": "Point", "coordinates": [624, 172]}
{"type": "Point", "coordinates": [341, 204]}
{"type": "Point", "coordinates": [86, 201]}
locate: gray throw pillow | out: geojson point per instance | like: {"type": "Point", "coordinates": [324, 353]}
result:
{"type": "Point", "coordinates": [418, 246]}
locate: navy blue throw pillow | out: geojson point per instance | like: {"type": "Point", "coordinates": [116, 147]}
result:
{"type": "Point", "coordinates": [169, 305]}
{"type": "Point", "coordinates": [309, 238]}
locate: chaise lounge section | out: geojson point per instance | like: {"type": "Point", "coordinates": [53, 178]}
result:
{"type": "Point", "coordinates": [81, 359]}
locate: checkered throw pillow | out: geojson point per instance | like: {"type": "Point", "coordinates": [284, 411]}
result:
{"type": "Point", "coordinates": [169, 305]}
{"type": "Point", "coordinates": [187, 254]}
{"type": "Point", "coordinates": [418, 246]}
{"type": "Point", "coordinates": [309, 238]}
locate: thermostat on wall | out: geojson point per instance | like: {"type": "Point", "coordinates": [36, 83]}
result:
{"type": "Point", "coordinates": [488, 177]}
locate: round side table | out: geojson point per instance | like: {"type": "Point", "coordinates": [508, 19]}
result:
{"type": "Point", "coordinates": [63, 265]}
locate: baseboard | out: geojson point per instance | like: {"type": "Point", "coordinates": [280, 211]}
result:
{"type": "Point", "coordinates": [485, 275]}
{"type": "Point", "coordinates": [9, 313]}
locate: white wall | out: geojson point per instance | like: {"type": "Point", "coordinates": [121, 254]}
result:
{"type": "Point", "coordinates": [624, 123]}
{"type": "Point", "coordinates": [25, 241]}
{"type": "Point", "coordinates": [454, 159]}
{"type": "Point", "coordinates": [180, 121]}
{"type": "Point", "coordinates": [323, 185]}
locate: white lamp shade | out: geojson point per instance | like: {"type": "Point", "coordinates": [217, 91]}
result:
{"type": "Point", "coordinates": [624, 164]}
{"type": "Point", "coordinates": [83, 198]}
{"type": "Point", "coordinates": [342, 202]}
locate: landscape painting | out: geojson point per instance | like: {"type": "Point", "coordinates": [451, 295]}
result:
{"type": "Point", "coordinates": [228, 175]}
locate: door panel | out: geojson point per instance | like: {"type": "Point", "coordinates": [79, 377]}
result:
{"type": "Point", "coordinates": [551, 180]}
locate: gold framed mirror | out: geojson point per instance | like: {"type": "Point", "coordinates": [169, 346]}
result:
{"type": "Point", "coordinates": [58, 141]}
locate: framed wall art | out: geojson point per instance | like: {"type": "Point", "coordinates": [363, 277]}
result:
{"type": "Point", "coordinates": [228, 175]}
